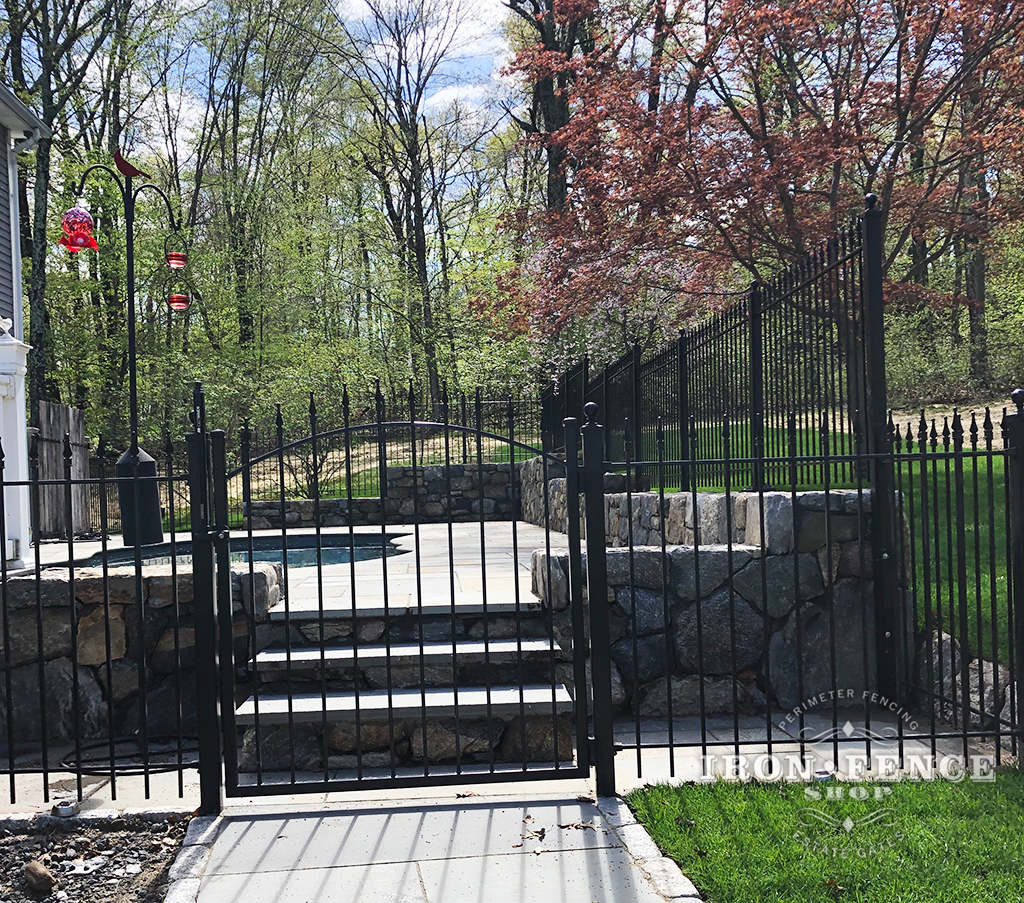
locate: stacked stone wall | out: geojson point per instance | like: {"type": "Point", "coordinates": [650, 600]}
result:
{"type": "Point", "coordinates": [431, 493]}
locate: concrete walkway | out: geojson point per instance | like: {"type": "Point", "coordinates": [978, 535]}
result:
{"type": "Point", "coordinates": [493, 849]}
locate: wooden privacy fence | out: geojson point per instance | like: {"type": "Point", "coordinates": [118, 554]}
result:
{"type": "Point", "coordinates": [55, 421]}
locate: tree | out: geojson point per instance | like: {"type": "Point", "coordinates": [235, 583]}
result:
{"type": "Point", "coordinates": [735, 136]}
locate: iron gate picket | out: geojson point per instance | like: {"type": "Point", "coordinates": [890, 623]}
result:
{"type": "Point", "coordinates": [357, 675]}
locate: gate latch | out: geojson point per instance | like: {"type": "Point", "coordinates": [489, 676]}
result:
{"type": "Point", "coordinates": [213, 535]}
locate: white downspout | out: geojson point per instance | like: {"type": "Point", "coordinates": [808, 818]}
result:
{"type": "Point", "coordinates": [19, 147]}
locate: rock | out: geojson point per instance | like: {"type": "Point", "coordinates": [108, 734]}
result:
{"type": "Point", "coordinates": [714, 563]}
{"type": "Point", "coordinates": [373, 736]}
{"type": "Point", "coordinates": [686, 697]}
{"type": "Point", "coordinates": [124, 673]}
{"type": "Point", "coordinates": [679, 519]}
{"type": "Point", "coordinates": [366, 760]}
{"type": "Point", "coordinates": [938, 680]}
{"type": "Point", "coordinates": [814, 533]}
{"type": "Point", "coordinates": [90, 585]}
{"type": "Point", "coordinates": [715, 614]}
{"type": "Point", "coordinates": [774, 531]}
{"type": "Point", "coordinates": [59, 703]}
{"type": "Point", "coordinates": [24, 626]}
{"type": "Point", "coordinates": [471, 737]}
{"type": "Point", "coordinates": [162, 709]}
{"type": "Point", "coordinates": [504, 628]}
{"type": "Point", "coordinates": [369, 630]}
{"type": "Point", "coordinates": [557, 595]}
{"type": "Point", "coordinates": [51, 586]}
{"type": "Point", "coordinates": [332, 630]}
{"type": "Point", "coordinates": [856, 560]}
{"type": "Point", "coordinates": [161, 583]}
{"type": "Point", "coordinates": [653, 659]}
{"type": "Point", "coordinates": [619, 697]}
{"type": "Point", "coordinates": [711, 518]}
{"type": "Point", "coordinates": [157, 620]}
{"type": "Point", "coordinates": [648, 567]}
{"type": "Point", "coordinates": [260, 590]}
{"type": "Point", "coordinates": [164, 661]}
{"type": "Point", "coordinates": [408, 676]}
{"type": "Point", "coordinates": [853, 604]}
{"type": "Point", "coordinates": [650, 609]}
{"type": "Point", "coordinates": [280, 749]}
{"type": "Point", "coordinates": [92, 636]}
{"type": "Point", "coordinates": [778, 579]}
{"type": "Point", "coordinates": [38, 877]}
{"type": "Point", "coordinates": [542, 742]}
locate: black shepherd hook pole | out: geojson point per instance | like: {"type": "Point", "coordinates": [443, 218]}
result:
{"type": "Point", "coordinates": [141, 520]}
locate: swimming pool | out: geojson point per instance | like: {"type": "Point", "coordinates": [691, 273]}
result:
{"type": "Point", "coordinates": [335, 548]}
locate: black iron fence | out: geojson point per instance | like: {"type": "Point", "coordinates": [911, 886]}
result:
{"type": "Point", "coordinates": [881, 612]}
{"type": "Point", "coordinates": [833, 621]}
{"type": "Point", "coordinates": [797, 344]}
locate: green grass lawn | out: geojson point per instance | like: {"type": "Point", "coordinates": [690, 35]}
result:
{"type": "Point", "coordinates": [940, 842]}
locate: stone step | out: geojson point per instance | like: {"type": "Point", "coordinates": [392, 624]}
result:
{"type": "Point", "coordinates": [307, 609]}
{"type": "Point", "coordinates": [374, 705]}
{"type": "Point", "coordinates": [340, 656]}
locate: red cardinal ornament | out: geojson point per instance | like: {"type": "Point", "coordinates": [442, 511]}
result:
{"type": "Point", "coordinates": [126, 168]}
{"type": "Point", "coordinates": [77, 225]}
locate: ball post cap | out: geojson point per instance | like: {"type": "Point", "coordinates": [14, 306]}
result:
{"type": "Point", "coordinates": [590, 409]}
{"type": "Point", "coordinates": [1017, 395]}
{"type": "Point", "coordinates": [871, 199]}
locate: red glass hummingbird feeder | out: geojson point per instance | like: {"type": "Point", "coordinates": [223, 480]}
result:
{"type": "Point", "coordinates": [77, 225]}
{"type": "Point", "coordinates": [179, 302]}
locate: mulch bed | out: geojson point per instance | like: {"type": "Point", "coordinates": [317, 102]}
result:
{"type": "Point", "coordinates": [123, 859]}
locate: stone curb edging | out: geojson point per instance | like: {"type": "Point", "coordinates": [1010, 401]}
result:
{"type": "Point", "coordinates": [23, 823]}
{"type": "Point", "coordinates": [187, 869]}
{"type": "Point", "coordinates": [664, 875]}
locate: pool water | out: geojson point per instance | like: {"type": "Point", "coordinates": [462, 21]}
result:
{"type": "Point", "coordinates": [302, 553]}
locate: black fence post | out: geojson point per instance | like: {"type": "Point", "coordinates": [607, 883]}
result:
{"type": "Point", "coordinates": [756, 351]}
{"type": "Point", "coordinates": [888, 623]}
{"type": "Point", "coordinates": [204, 604]}
{"type": "Point", "coordinates": [1013, 430]}
{"type": "Point", "coordinates": [597, 595]}
{"type": "Point", "coordinates": [572, 496]}
{"type": "Point", "coordinates": [683, 389]}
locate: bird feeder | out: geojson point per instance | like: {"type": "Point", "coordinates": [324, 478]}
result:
{"type": "Point", "coordinates": [77, 225]}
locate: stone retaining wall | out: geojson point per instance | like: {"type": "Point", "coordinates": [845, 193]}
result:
{"type": "Point", "coordinates": [472, 488]}
{"type": "Point", "coordinates": [778, 575]}
{"type": "Point", "coordinates": [115, 691]}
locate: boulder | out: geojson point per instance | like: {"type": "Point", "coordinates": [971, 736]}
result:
{"type": "Point", "coordinates": [853, 605]}
{"type": "Point", "coordinates": [281, 749]}
{"type": "Point", "coordinates": [773, 531]}
{"type": "Point", "coordinates": [24, 627]}
{"type": "Point", "coordinates": [716, 633]}
{"type": "Point", "coordinates": [649, 609]}
{"type": "Point", "coordinates": [781, 583]}
{"type": "Point", "coordinates": [162, 709]}
{"type": "Point", "coordinates": [718, 697]}
{"type": "Point", "coordinates": [713, 561]}
{"type": "Point", "coordinates": [645, 568]}
{"type": "Point", "coordinates": [555, 596]}
{"type": "Point", "coordinates": [543, 743]}
{"type": "Point", "coordinates": [446, 738]}
{"type": "Point", "coordinates": [92, 636]}
{"type": "Point", "coordinates": [373, 736]}
{"type": "Point", "coordinates": [27, 708]}
{"type": "Point", "coordinates": [124, 679]}
{"type": "Point", "coordinates": [653, 657]}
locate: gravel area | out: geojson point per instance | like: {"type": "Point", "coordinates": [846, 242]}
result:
{"type": "Point", "coordinates": [119, 860]}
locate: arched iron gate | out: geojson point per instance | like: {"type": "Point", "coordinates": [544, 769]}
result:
{"type": "Point", "coordinates": [393, 638]}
